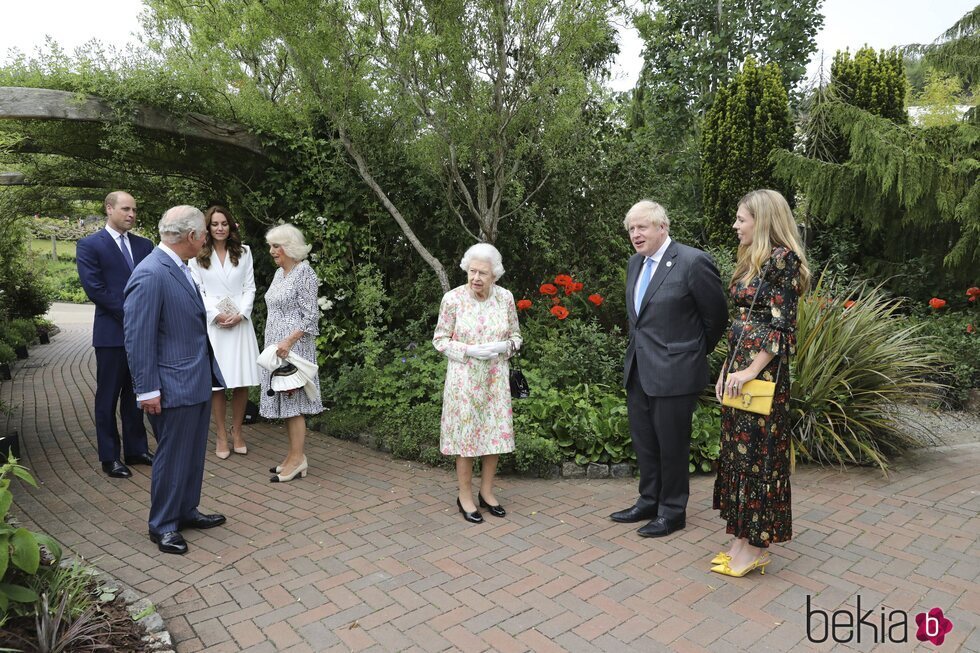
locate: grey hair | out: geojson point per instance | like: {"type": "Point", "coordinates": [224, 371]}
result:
{"type": "Point", "coordinates": [290, 239]}
{"type": "Point", "coordinates": [484, 252]}
{"type": "Point", "coordinates": [179, 221]}
{"type": "Point", "coordinates": [647, 211]}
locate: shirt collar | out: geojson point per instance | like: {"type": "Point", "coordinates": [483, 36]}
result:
{"type": "Point", "coordinates": [112, 232]}
{"type": "Point", "coordinates": [659, 254]}
{"type": "Point", "coordinates": [173, 255]}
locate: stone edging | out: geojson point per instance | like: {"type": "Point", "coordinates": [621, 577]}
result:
{"type": "Point", "coordinates": [158, 638]}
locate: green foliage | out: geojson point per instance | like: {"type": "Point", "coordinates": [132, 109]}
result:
{"type": "Point", "coordinates": [74, 585]}
{"type": "Point", "coordinates": [533, 454]}
{"type": "Point", "coordinates": [748, 120]}
{"type": "Point", "coordinates": [20, 549]}
{"type": "Point", "coordinates": [852, 365]}
{"type": "Point", "coordinates": [951, 333]}
{"type": "Point", "coordinates": [705, 437]}
{"type": "Point", "coordinates": [692, 48]}
{"type": "Point", "coordinates": [587, 422]}
{"type": "Point", "coordinates": [939, 100]}
{"type": "Point", "coordinates": [413, 433]}
{"type": "Point", "coordinates": [881, 193]}
{"type": "Point", "coordinates": [872, 81]}
{"type": "Point", "coordinates": [7, 353]}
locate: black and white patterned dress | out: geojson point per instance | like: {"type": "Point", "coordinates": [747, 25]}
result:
{"type": "Point", "coordinates": [292, 304]}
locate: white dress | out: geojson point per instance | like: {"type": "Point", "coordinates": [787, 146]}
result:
{"type": "Point", "coordinates": [236, 348]}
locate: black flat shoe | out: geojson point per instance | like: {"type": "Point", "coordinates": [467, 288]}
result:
{"type": "Point", "coordinates": [202, 521]}
{"type": "Point", "coordinates": [496, 511]}
{"type": "Point", "coordinates": [634, 514]}
{"type": "Point", "coordinates": [171, 542]}
{"type": "Point", "coordinates": [116, 469]}
{"type": "Point", "coordinates": [472, 517]}
{"type": "Point", "coordinates": [140, 459]}
{"type": "Point", "coordinates": [662, 526]}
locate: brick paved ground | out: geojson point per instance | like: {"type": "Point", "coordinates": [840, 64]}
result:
{"type": "Point", "coordinates": [369, 553]}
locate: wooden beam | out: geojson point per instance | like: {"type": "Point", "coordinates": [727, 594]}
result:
{"type": "Point", "coordinates": [21, 103]}
{"type": "Point", "coordinates": [19, 179]}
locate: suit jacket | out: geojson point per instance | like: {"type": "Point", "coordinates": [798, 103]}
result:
{"type": "Point", "coordinates": [680, 319]}
{"type": "Point", "coordinates": [104, 272]}
{"type": "Point", "coordinates": [166, 334]}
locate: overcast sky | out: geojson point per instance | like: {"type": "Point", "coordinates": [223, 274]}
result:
{"type": "Point", "coordinates": [848, 23]}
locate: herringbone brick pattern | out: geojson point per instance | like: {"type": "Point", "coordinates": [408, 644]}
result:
{"type": "Point", "coordinates": [368, 553]}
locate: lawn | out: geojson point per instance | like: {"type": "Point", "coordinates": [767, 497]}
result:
{"type": "Point", "coordinates": [66, 248]}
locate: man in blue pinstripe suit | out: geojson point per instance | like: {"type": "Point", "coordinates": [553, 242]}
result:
{"type": "Point", "coordinates": [173, 371]}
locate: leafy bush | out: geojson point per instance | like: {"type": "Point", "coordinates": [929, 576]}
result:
{"type": "Point", "coordinates": [533, 454]}
{"type": "Point", "coordinates": [587, 422]}
{"type": "Point", "coordinates": [955, 328]}
{"type": "Point", "coordinates": [856, 357]}
{"type": "Point", "coordinates": [705, 437]}
{"type": "Point", "coordinates": [413, 433]}
{"type": "Point", "coordinates": [7, 353]}
{"type": "Point", "coordinates": [20, 550]}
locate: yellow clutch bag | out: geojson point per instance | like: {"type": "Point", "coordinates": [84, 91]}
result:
{"type": "Point", "coordinates": [756, 397]}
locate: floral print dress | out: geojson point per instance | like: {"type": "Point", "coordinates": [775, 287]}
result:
{"type": "Point", "coordinates": [292, 304]}
{"type": "Point", "coordinates": [476, 409]}
{"type": "Point", "coordinates": [752, 489]}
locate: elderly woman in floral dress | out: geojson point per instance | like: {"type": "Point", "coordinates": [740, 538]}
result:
{"type": "Point", "coordinates": [478, 332]}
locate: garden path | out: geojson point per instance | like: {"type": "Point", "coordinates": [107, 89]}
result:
{"type": "Point", "coordinates": [369, 553]}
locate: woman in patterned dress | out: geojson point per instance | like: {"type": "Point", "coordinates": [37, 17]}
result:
{"type": "Point", "coordinates": [752, 489]}
{"type": "Point", "coordinates": [224, 271]}
{"type": "Point", "coordinates": [291, 324]}
{"type": "Point", "coordinates": [478, 332]}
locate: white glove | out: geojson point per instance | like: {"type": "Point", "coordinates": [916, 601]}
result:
{"type": "Point", "coordinates": [482, 352]}
{"type": "Point", "coordinates": [500, 347]}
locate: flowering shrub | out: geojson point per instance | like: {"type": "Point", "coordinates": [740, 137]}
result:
{"type": "Point", "coordinates": [559, 307]}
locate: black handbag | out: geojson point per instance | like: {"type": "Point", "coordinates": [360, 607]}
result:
{"type": "Point", "coordinates": [519, 389]}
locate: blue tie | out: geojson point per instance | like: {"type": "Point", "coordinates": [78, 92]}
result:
{"type": "Point", "coordinates": [125, 251]}
{"type": "Point", "coordinates": [641, 285]}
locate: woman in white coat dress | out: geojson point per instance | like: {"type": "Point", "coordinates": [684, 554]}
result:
{"type": "Point", "coordinates": [224, 273]}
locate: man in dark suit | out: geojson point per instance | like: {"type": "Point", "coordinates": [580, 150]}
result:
{"type": "Point", "coordinates": [677, 312]}
{"type": "Point", "coordinates": [105, 260]}
{"type": "Point", "coordinates": [174, 370]}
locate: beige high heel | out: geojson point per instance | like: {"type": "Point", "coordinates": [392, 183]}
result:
{"type": "Point", "coordinates": [300, 471]}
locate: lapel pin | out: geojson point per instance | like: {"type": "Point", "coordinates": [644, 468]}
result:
{"type": "Point", "coordinates": [669, 263]}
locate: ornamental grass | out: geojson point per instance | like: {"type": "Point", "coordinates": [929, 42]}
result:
{"type": "Point", "coordinates": [857, 357]}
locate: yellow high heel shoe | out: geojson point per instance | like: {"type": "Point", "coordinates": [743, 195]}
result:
{"type": "Point", "coordinates": [721, 558]}
{"type": "Point", "coordinates": [759, 563]}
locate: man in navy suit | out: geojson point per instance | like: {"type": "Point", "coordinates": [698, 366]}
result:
{"type": "Point", "coordinates": [677, 312]}
{"type": "Point", "coordinates": [105, 260]}
{"type": "Point", "coordinates": [173, 370]}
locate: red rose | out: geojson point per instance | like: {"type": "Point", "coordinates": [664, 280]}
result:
{"type": "Point", "coordinates": [849, 303]}
{"type": "Point", "coordinates": [560, 312]}
{"type": "Point", "coordinates": [548, 289]}
{"type": "Point", "coordinates": [596, 299]}
{"type": "Point", "coordinates": [563, 280]}
{"type": "Point", "coordinates": [935, 303]}
{"type": "Point", "coordinates": [523, 304]}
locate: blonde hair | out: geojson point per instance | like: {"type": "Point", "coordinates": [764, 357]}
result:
{"type": "Point", "coordinates": [647, 211]}
{"type": "Point", "coordinates": [774, 227]}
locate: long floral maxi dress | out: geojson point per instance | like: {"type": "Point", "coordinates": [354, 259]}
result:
{"type": "Point", "coordinates": [292, 304]}
{"type": "Point", "coordinates": [752, 489]}
{"type": "Point", "coordinates": [476, 410]}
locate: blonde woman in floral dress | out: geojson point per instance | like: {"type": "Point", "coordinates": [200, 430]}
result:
{"type": "Point", "coordinates": [752, 489]}
{"type": "Point", "coordinates": [478, 332]}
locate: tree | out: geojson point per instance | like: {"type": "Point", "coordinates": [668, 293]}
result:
{"type": "Point", "coordinates": [911, 193]}
{"type": "Point", "coordinates": [750, 118]}
{"type": "Point", "coordinates": [469, 89]}
{"type": "Point", "coordinates": [692, 47]}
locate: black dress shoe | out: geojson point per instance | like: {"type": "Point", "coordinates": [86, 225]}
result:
{"type": "Point", "coordinates": [116, 469]}
{"type": "Point", "coordinates": [171, 542]}
{"type": "Point", "coordinates": [140, 459]}
{"type": "Point", "coordinates": [634, 514]}
{"type": "Point", "coordinates": [662, 526]}
{"type": "Point", "coordinates": [496, 511]}
{"type": "Point", "coordinates": [201, 521]}
{"type": "Point", "coordinates": [472, 517]}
